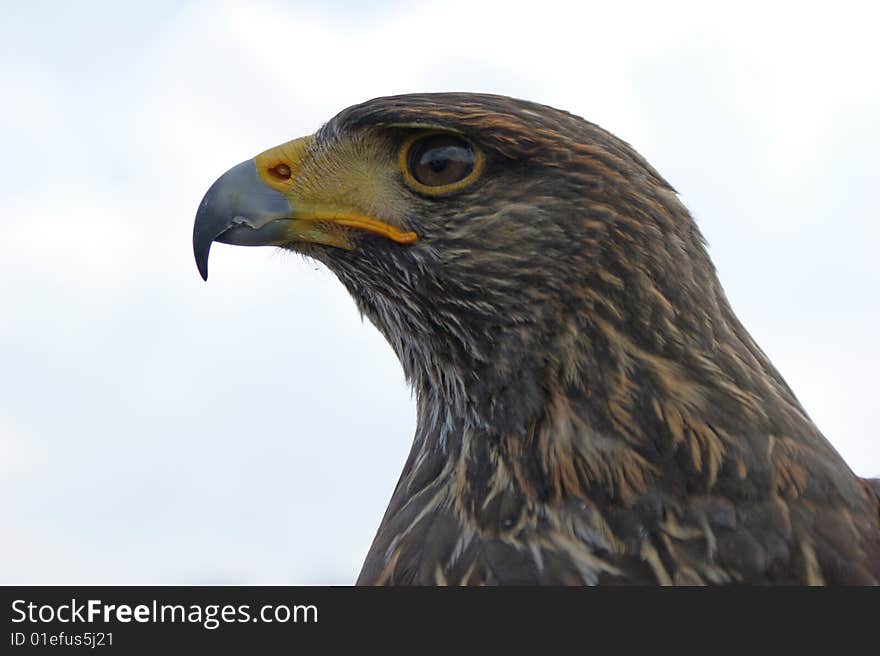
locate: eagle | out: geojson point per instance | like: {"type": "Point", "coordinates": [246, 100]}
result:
{"type": "Point", "coordinates": [590, 410]}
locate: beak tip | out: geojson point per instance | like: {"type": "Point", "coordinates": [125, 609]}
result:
{"type": "Point", "coordinates": [202, 264]}
{"type": "Point", "coordinates": [201, 252]}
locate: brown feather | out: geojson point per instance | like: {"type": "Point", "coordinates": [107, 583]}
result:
{"type": "Point", "coordinates": [590, 409]}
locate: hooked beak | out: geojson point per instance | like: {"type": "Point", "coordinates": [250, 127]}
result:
{"type": "Point", "coordinates": [240, 209]}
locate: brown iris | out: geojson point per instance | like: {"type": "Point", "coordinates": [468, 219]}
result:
{"type": "Point", "coordinates": [441, 159]}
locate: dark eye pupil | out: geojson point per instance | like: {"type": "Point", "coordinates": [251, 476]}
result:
{"type": "Point", "coordinates": [441, 159]}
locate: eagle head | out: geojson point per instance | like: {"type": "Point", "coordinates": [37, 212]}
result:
{"type": "Point", "coordinates": [589, 406]}
{"type": "Point", "coordinates": [476, 232]}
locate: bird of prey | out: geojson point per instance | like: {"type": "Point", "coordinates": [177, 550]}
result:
{"type": "Point", "coordinates": [590, 409]}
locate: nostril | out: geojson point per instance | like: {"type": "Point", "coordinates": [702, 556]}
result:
{"type": "Point", "coordinates": [280, 171]}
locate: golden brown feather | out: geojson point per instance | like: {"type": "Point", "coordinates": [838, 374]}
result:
{"type": "Point", "coordinates": [590, 410]}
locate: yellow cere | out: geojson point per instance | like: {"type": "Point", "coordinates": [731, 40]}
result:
{"type": "Point", "coordinates": [319, 195]}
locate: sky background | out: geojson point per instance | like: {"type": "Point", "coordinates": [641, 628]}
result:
{"type": "Point", "coordinates": [158, 429]}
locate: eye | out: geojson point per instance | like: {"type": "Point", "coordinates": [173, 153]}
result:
{"type": "Point", "coordinates": [442, 162]}
{"type": "Point", "coordinates": [280, 171]}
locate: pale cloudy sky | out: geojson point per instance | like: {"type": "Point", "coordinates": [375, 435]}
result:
{"type": "Point", "coordinates": [157, 429]}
